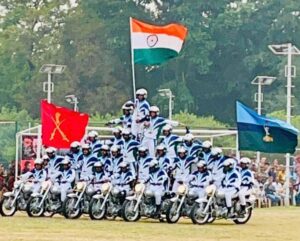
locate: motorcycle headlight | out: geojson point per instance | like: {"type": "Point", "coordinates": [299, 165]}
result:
{"type": "Point", "coordinates": [27, 187]}
{"type": "Point", "coordinates": [90, 190]}
{"type": "Point", "coordinates": [181, 189]}
{"type": "Point", "coordinates": [17, 184]}
{"type": "Point", "coordinates": [45, 185]}
{"type": "Point", "coordinates": [55, 190]}
{"type": "Point", "coordinates": [105, 187]}
{"type": "Point", "coordinates": [80, 186]}
{"type": "Point", "coordinates": [115, 191]}
{"type": "Point", "coordinates": [139, 187]}
{"type": "Point", "coordinates": [210, 190]}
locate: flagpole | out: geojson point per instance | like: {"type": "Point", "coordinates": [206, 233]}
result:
{"type": "Point", "coordinates": [132, 60]}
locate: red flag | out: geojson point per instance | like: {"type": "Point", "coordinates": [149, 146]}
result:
{"type": "Point", "coordinates": [61, 126]}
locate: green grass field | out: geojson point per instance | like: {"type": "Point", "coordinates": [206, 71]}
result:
{"type": "Point", "coordinates": [278, 224]}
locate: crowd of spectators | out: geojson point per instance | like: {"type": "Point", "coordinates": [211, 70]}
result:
{"type": "Point", "coordinates": [270, 186]}
{"type": "Point", "coordinates": [7, 178]}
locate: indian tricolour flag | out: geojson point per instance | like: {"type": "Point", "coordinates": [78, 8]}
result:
{"type": "Point", "coordinates": [153, 45]}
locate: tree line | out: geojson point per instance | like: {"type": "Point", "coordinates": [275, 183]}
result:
{"type": "Point", "coordinates": [225, 49]}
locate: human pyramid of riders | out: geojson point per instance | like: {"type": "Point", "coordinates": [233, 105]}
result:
{"type": "Point", "coordinates": [137, 173]}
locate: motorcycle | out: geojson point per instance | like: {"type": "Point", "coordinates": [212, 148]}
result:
{"type": "Point", "coordinates": [207, 210]}
{"type": "Point", "coordinates": [17, 199]}
{"type": "Point", "coordinates": [180, 205]}
{"type": "Point", "coordinates": [46, 202]}
{"type": "Point", "coordinates": [78, 201]}
{"type": "Point", "coordinates": [107, 204]}
{"type": "Point", "coordinates": [142, 204]}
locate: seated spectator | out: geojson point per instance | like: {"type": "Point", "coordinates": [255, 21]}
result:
{"type": "Point", "coordinates": [2, 181]}
{"type": "Point", "coordinates": [27, 167]}
{"type": "Point", "coordinates": [297, 188]}
{"type": "Point", "coordinates": [279, 188]}
{"type": "Point", "coordinates": [270, 191]}
{"type": "Point", "coordinates": [272, 172]}
{"type": "Point", "coordinates": [281, 174]}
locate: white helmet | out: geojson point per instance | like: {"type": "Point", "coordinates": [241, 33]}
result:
{"type": "Point", "coordinates": [143, 149]}
{"type": "Point", "coordinates": [45, 157]}
{"type": "Point", "coordinates": [167, 127]}
{"type": "Point", "coordinates": [154, 108]}
{"type": "Point", "coordinates": [188, 137]}
{"type": "Point", "coordinates": [106, 142]}
{"type": "Point", "coordinates": [75, 144]}
{"type": "Point", "coordinates": [50, 150]}
{"type": "Point", "coordinates": [201, 163]}
{"type": "Point", "coordinates": [38, 161]}
{"type": "Point", "coordinates": [153, 163]}
{"type": "Point", "coordinates": [104, 147]}
{"type": "Point", "coordinates": [124, 164]}
{"type": "Point", "coordinates": [127, 107]}
{"type": "Point", "coordinates": [93, 134]}
{"type": "Point", "coordinates": [206, 144]}
{"type": "Point", "coordinates": [216, 151]}
{"type": "Point", "coordinates": [85, 146]}
{"type": "Point", "coordinates": [229, 162]}
{"type": "Point", "coordinates": [115, 148]}
{"type": "Point", "coordinates": [98, 164]}
{"type": "Point", "coordinates": [117, 129]}
{"type": "Point", "coordinates": [66, 161]}
{"type": "Point", "coordinates": [142, 92]}
{"type": "Point", "coordinates": [161, 147]}
{"type": "Point", "coordinates": [182, 150]}
{"type": "Point", "coordinates": [126, 132]}
{"type": "Point", "coordinates": [245, 160]}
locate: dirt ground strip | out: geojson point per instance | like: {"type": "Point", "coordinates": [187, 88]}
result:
{"type": "Point", "coordinates": [272, 224]}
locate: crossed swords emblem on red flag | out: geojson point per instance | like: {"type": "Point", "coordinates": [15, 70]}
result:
{"type": "Point", "coordinates": [57, 122]}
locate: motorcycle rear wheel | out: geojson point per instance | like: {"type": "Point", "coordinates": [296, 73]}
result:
{"type": "Point", "coordinates": [245, 219]}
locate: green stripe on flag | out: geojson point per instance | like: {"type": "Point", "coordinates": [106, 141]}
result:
{"type": "Point", "coordinates": [153, 56]}
{"type": "Point", "coordinates": [275, 140]}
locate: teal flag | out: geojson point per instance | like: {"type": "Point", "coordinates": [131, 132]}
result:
{"type": "Point", "coordinates": [259, 133]}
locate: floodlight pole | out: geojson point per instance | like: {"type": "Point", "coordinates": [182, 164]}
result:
{"type": "Point", "coordinates": [288, 120]}
{"type": "Point", "coordinates": [49, 88]}
{"type": "Point", "coordinates": [170, 105]}
{"type": "Point", "coordinates": [259, 100]}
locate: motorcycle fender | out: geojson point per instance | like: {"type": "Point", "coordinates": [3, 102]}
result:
{"type": "Point", "coordinates": [8, 194]}
{"type": "Point", "coordinates": [130, 198]}
{"type": "Point", "coordinates": [201, 200]}
{"type": "Point", "coordinates": [72, 195]}
{"type": "Point", "coordinates": [36, 195]}
{"type": "Point", "coordinates": [97, 196]}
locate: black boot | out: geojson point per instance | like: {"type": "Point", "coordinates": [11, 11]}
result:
{"type": "Point", "coordinates": [157, 211]}
{"type": "Point", "coordinates": [229, 212]}
{"type": "Point", "coordinates": [243, 210]}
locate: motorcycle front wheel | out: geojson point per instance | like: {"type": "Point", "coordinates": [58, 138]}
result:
{"type": "Point", "coordinates": [6, 207]}
{"type": "Point", "coordinates": [94, 209]}
{"type": "Point", "coordinates": [172, 215]}
{"type": "Point", "coordinates": [33, 209]}
{"type": "Point", "coordinates": [197, 215]}
{"type": "Point", "coordinates": [69, 210]}
{"type": "Point", "coordinates": [128, 213]}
